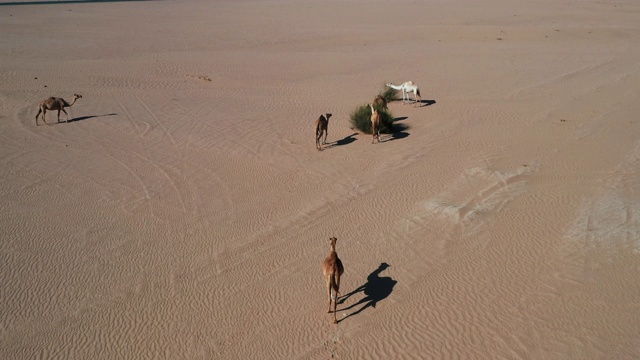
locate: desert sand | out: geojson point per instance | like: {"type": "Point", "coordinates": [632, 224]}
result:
{"type": "Point", "coordinates": [183, 211]}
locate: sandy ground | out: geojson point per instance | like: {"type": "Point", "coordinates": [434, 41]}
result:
{"type": "Point", "coordinates": [184, 213]}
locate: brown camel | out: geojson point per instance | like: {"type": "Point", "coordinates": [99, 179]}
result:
{"type": "Point", "coordinates": [55, 103]}
{"type": "Point", "coordinates": [332, 269]}
{"type": "Point", "coordinates": [375, 123]}
{"type": "Point", "coordinates": [380, 103]}
{"type": "Point", "coordinates": [322, 125]}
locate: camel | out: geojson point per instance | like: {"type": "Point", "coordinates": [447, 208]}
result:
{"type": "Point", "coordinates": [332, 269]}
{"type": "Point", "coordinates": [406, 88]}
{"type": "Point", "coordinates": [380, 103]}
{"type": "Point", "coordinates": [375, 123]}
{"type": "Point", "coordinates": [55, 103]}
{"type": "Point", "coordinates": [322, 125]}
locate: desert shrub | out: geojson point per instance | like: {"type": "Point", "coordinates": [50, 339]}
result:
{"type": "Point", "coordinates": [361, 120]}
{"type": "Point", "coordinates": [389, 94]}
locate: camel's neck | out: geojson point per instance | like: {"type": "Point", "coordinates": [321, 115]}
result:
{"type": "Point", "coordinates": [73, 102]}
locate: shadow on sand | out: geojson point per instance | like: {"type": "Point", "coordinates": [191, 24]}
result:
{"type": "Point", "coordinates": [81, 118]}
{"type": "Point", "coordinates": [421, 102]}
{"type": "Point", "coordinates": [345, 141]}
{"type": "Point", "coordinates": [398, 130]}
{"type": "Point", "coordinates": [427, 102]}
{"type": "Point", "coordinates": [395, 136]}
{"type": "Point", "coordinates": [376, 289]}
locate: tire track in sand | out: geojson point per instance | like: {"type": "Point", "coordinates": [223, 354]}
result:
{"type": "Point", "coordinates": [155, 118]}
{"type": "Point", "coordinates": [468, 205]}
{"type": "Point", "coordinates": [611, 217]}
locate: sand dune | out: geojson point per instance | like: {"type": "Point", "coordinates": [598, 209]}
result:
{"type": "Point", "coordinates": [184, 212]}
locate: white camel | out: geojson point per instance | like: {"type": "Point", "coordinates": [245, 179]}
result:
{"type": "Point", "coordinates": [406, 88]}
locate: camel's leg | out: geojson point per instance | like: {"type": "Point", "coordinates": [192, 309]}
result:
{"type": "Point", "coordinates": [329, 291]}
{"type": "Point", "coordinates": [38, 114]}
{"type": "Point", "coordinates": [335, 308]}
{"type": "Point", "coordinates": [65, 112]}
{"type": "Point", "coordinates": [336, 280]}
{"type": "Point", "coordinates": [326, 132]}
{"type": "Point", "coordinates": [317, 139]}
{"type": "Point", "coordinates": [44, 116]}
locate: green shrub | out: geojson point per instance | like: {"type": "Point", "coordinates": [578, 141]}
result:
{"type": "Point", "coordinates": [389, 94]}
{"type": "Point", "coordinates": [361, 120]}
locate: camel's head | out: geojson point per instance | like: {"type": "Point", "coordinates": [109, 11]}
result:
{"type": "Point", "coordinates": [332, 242]}
{"type": "Point", "coordinates": [77, 96]}
{"type": "Point", "coordinates": [327, 115]}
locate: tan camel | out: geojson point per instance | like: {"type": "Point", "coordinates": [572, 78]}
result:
{"type": "Point", "coordinates": [380, 103]}
{"type": "Point", "coordinates": [332, 269]}
{"type": "Point", "coordinates": [375, 123]}
{"type": "Point", "coordinates": [55, 103]}
{"type": "Point", "coordinates": [322, 125]}
{"type": "Point", "coordinates": [406, 88]}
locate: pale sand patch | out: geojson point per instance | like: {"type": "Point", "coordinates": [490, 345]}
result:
{"type": "Point", "coordinates": [184, 211]}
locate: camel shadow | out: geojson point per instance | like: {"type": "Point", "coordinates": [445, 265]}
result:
{"type": "Point", "coordinates": [345, 141]}
{"type": "Point", "coordinates": [396, 136]}
{"type": "Point", "coordinates": [426, 102]}
{"type": "Point", "coordinates": [376, 289]}
{"type": "Point", "coordinates": [396, 130]}
{"type": "Point", "coordinates": [81, 118]}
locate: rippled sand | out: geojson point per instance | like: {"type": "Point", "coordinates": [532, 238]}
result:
{"type": "Point", "coordinates": [184, 213]}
